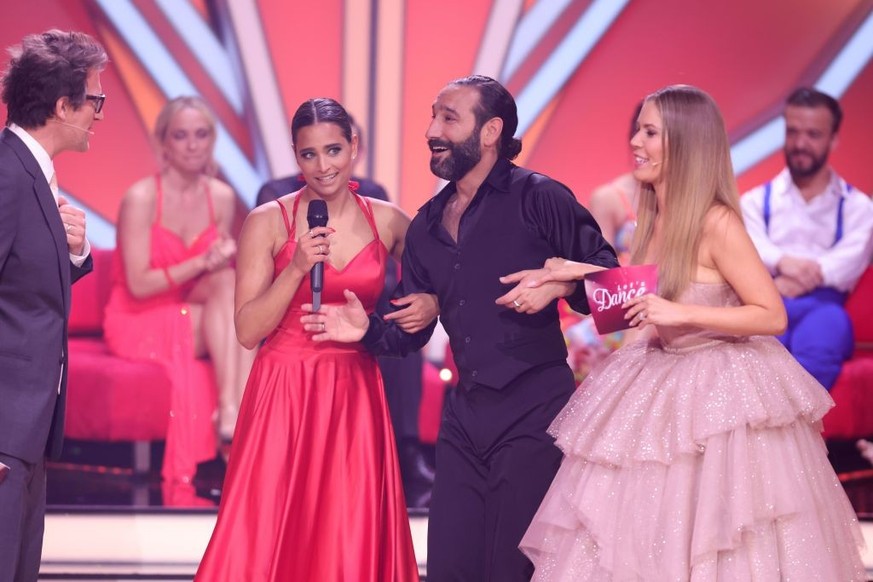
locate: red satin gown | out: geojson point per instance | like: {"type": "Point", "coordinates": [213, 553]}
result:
{"type": "Point", "coordinates": [159, 328]}
{"type": "Point", "coordinates": [313, 489]}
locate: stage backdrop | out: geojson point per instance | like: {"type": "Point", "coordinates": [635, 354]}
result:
{"type": "Point", "coordinates": [576, 67]}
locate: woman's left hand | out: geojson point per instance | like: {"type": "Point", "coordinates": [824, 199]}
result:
{"type": "Point", "coordinates": [650, 309]}
{"type": "Point", "coordinates": [220, 253]}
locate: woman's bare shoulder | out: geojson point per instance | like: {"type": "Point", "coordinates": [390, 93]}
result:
{"type": "Point", "coordinates": [141, 192]}
{"type": "Point", "coordinates": [221, 190]}
{"type": "Point", "coordinates": [387, 210]}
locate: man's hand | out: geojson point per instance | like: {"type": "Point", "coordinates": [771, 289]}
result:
{"type": "Point", "coordinates": [789, 287]}
{"type": "Point", "coordinates": [531, 294]}
{"type": "Point", "coordinates": [339, 323]}
{"type": "Point", "coordinates": [416, 311]}
{"type": "Point", "coordinates": [807, 272]}
{"type": "Point", "coordinates": [74, 225]}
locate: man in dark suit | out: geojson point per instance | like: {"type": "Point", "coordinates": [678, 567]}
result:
{"type": "Point", "coordinates": [402, 376]}
{"type": "Point", "coordinates": [494, 457]}
{"type": "Point", "coordinates": [51, 88]}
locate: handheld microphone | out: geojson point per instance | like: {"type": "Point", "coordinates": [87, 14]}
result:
{"type": "Point", "coordinates": [73, 126]}
{"type": "Point", "coordinates": [316, 215]}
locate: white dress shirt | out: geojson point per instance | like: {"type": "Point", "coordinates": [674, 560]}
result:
{"type": "Point", "coordinates": [48, 170]}
{"type": "Point", "coordinates": [808, 229]}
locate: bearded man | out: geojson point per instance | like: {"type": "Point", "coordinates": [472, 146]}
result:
{"type": "Point", "coordinates": [494, 458]}
{"type": "Point", "coordinates": [814, 232]}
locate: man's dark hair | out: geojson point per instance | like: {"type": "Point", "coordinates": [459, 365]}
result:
{"type": "Point", "coordinates": [495, 101]}
{"type": "Point", "coordinates": [44, 68]}
{"type": "Point", "coordinates": [321, 110]}
{"type": "Point", "coordinates": [809, 97]}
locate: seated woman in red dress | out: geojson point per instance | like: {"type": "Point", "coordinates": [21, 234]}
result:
{"type": "Point", "coordinates": [172, 296]}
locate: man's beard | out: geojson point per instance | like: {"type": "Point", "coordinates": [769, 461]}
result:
{"type": "Point", "coordinates": [462, 157]}
{"type": "Point", "coordinates": [805, 171]}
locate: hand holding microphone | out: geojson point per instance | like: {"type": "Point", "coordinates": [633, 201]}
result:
{"type": "Point", "coordinates": [316, 217]}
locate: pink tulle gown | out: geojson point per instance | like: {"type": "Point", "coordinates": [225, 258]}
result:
{"type": "Point", "coordinates": [159, 328]}
{"type": "Point", "coordinates": [313, 490]}
{"type": "Point", "coordinates": [696, 457]}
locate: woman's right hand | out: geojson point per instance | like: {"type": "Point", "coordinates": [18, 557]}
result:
{"type": "Point", "coordinates": [558, 269]}
{"type": "Point", "coordinates": [554, 270]}
{"type": "Point", "coordinates": [312, 248]}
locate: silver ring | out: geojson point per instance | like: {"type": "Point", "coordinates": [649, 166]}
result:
{"type": "Point", "coordinates": [643, 315]}
{"type": "Point", "coordinates": [323, 326]}
{"type": "Point", "coordinates": [67, 227]}
{"type": "Point", "coordinates": [516, 303]}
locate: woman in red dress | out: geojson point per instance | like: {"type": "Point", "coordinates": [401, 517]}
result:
{"type": "Point", "coordinates": [313, 489]}
{"type": "Point", "coordinates": [172, 295]}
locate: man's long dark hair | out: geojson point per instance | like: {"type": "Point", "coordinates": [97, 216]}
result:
{"type": "Point", "coordinates": [495, 101]}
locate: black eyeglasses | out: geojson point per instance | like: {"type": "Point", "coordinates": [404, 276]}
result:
{"type": "Point", "coordinates": [98, 101]}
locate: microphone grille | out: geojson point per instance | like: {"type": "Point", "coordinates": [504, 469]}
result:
{"type": "Point", "coordinates": [316, 213]}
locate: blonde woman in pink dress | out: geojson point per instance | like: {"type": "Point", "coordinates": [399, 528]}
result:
{"type": "Point", "coordinates": [695, 452]}
{"type": "Point", "coordinates": [172, 295]}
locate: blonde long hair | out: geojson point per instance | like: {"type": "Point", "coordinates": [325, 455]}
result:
{"type": "Point", "coordinates": [698, 175]}
{"type": "Point", "coordinates": [169, 110]}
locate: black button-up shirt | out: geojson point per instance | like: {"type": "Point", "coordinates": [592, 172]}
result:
{"type": "Point", "coordinates": [516, 221]}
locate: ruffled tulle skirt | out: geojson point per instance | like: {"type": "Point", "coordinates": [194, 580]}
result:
{"type": "Point", "coordinates": [703, 463]}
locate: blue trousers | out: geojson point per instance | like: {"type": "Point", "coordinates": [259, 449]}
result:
{"type": "Point", "coordinates": [819, 333]}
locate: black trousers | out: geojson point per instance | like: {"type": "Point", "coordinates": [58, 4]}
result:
{"type": "Point", "coordinates": [494, 463]}
{"type": "Point", "coordinates": [22, 519]}
{"type": "Point", "coordinates": [402, 378]}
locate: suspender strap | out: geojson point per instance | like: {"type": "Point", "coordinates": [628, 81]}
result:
{"type": "Point", "coordinates": [839, 233]}
{"type": "Point", "coordinates": [768, 188]}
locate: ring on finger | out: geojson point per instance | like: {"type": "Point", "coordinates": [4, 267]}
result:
{"type": "Point", "coordinates": [516, 303]}
{"type": "Point", "coordinates": [320, 250]}
{"type": "Point", "coordinates": [643, 315]}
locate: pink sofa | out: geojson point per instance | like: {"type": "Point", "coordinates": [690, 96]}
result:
{"type": "Point", "coordinates": [852, 417]}
{"type": "Point", "coordinates": [110, 398]}
{"type": "Point", "coordinates": [113, 399]}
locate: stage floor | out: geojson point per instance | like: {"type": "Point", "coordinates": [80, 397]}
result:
{"type": "Point", "coordinates": [107, 523]}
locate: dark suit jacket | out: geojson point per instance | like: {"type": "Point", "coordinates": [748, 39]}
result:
{"type": "Point", "coordinates": [35, 278]}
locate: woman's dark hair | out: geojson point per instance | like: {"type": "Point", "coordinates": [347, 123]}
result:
{"type": "Point", "coordinates": [495, 101]}
{"type": "Point", "coordinates": [44, 68]}
{"type": "Point", "coordinates": [321, 110]}
{"type": "Point", "coordinates": [809, 97]}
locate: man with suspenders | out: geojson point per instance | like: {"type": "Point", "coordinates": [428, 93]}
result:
{"type": "Point", "coordinates": [814, 232]}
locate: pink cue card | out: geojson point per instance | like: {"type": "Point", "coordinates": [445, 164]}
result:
{"type": "Point", "coordinates": [608, 290]}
